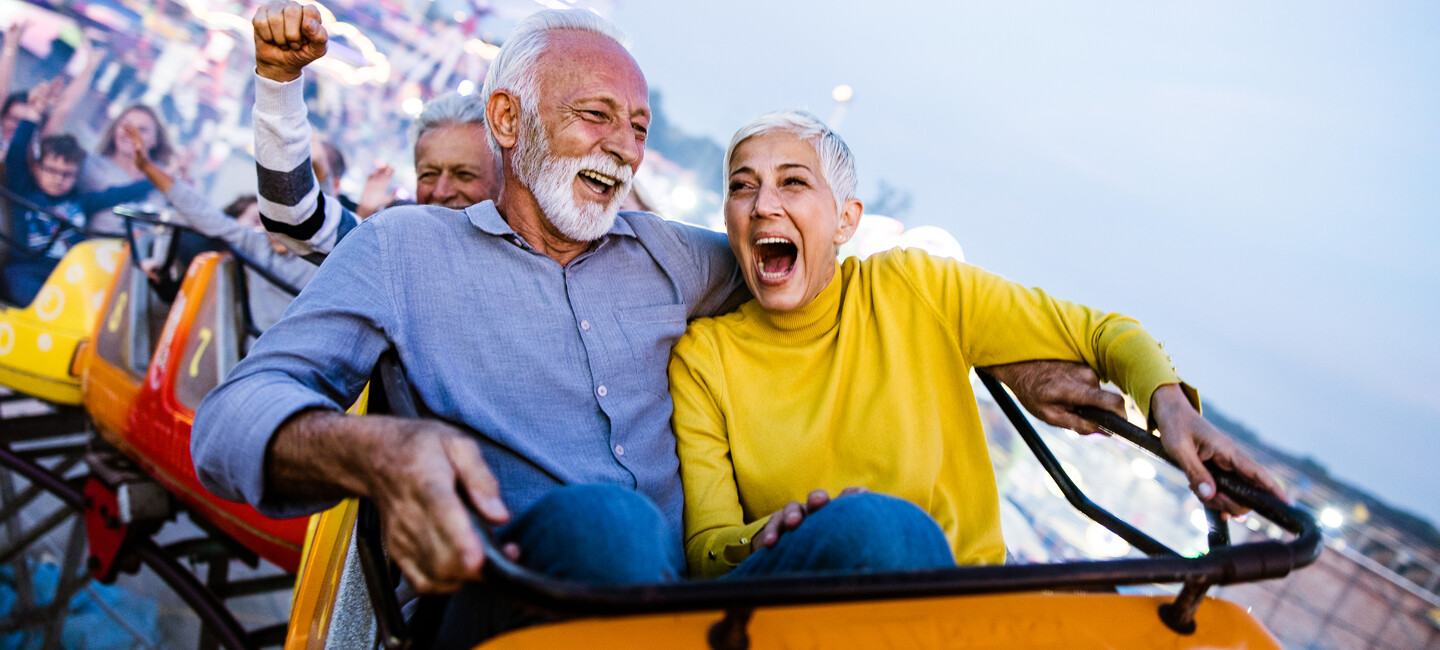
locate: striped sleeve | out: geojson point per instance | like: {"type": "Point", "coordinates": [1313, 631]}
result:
{"type": "Point", "coordinates": [291, 204]}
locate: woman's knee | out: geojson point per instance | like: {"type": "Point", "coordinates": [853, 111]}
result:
{"type": "Point", "coordinates": [882, 532]}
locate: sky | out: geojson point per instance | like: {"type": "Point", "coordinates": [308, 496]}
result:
{"type": "Point", "coordinates": [1257, 183]}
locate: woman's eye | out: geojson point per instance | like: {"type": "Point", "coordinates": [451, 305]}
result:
{"type": "Point", "coordinates": [800, 182]}
{"type": "Point", "coordinates": [738, 186]}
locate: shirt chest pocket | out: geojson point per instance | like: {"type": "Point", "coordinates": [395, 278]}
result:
{"type": "Point", "coordinates": [651, 332]}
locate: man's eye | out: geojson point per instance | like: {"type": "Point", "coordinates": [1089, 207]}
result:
{"type": "Point", "coordinates": [464, 176]}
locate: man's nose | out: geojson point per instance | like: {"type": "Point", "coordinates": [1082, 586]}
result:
{"type": "Point", "coordinates": [445, 186]}
{"type": "Point", "coordinates": [625, 145]}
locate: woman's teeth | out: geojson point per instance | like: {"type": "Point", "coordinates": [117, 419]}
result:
{"type": "Point", "coordinates": [775, 257]}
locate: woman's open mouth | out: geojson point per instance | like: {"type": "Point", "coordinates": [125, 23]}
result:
{"type": "Point", "coordinates": [600, 183]}
{"type": "Point", "coordinates": [775, 258]}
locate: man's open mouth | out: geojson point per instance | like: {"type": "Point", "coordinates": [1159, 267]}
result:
{"type": "Point", "coordinates": [601, 183]}
{"type": "Point", "coordinates": [775, 257]}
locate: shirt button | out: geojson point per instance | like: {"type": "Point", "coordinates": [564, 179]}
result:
{"type": "Point", "coordinates": [619, 450]}
{"type": "Point", "coordinates": [601, 391]}
{"type": "Point", "coordinates": [585, 325]}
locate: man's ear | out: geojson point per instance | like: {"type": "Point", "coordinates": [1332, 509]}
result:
{"type": "Point", "coordinates": [849, 220]}
{"type": "Point", "coordinates": [502, 114]}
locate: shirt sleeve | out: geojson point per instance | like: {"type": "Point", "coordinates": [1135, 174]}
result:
{"type": "Point", "coordinates": [291, 204]}
{"type": "Point", "coordinates": [17, 158]}
{"type": "Point", "coordinates": [204, 217]}
{"type": "Point", "coordinates": [998, 321]}
{"type": "Point", "coordinates": [319, 356]}
{"type": "Point", "coordinates": [111, 197]}
{"type": "Point", "coordinates": [717, 537]}
{"type": "Point", "coordinates": [720, 287]}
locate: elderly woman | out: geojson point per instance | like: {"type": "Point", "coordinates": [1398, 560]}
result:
{"type": "Point", "coordinates": [855, 377]}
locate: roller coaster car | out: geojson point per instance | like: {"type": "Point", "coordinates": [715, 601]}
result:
{"type": "Point", "coordinates": [146, 411]}
{"type": "Point", "coordinates": [346, 597]}
{"type": "Point", "coordinates": [38, 341]}
{"type": "Point", "coordinates": [141, 383]}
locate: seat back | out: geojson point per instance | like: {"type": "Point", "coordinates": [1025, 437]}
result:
{"type": "Point", "coordinates": [331, 607]}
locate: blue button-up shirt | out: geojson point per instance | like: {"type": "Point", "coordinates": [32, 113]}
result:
{"type": "Point", "coordinates": [562, 370]}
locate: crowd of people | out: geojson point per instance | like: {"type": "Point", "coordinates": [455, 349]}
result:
{"type": "Point", "coordinates": [672, 400]}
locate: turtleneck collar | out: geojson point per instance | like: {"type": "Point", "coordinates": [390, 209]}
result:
{"type": "Point", "coordinates": [808, 320]}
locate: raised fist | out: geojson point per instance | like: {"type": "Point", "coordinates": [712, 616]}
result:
{"type": "Point", "coordinates": [288, 36]}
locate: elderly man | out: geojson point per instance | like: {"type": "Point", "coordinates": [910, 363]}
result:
{"type": "Point", "coordinates": [453, 164]}
{"type": "Point", "coordinates": [541, 321]}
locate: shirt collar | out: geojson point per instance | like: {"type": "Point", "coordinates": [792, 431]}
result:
{"type": "Point", "coordinates": [484, 216]}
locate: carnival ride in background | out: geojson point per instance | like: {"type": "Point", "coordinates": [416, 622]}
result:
{"type": "Point", "coordinates": [120, 372]}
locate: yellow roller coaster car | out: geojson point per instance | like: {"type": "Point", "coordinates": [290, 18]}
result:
{"type": "Point", "coordinates": [38, 342]}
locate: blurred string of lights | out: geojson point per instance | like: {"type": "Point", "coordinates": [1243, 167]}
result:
{"type": "Point", "coordinates": [375, 67]}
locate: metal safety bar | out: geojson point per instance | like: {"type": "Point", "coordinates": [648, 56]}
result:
{"type": "Point", "coordinates": [1224, 564]}
{"type": "Point", "coordinates": [137, 216]}
{"type": "Point", "coordinates": [24, 247]}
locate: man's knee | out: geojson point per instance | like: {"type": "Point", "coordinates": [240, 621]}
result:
{"type": "Point", "coordinates": [596, 533]}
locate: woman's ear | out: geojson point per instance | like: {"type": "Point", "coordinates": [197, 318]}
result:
{"type": "Point", "coordinates": [502, 113]}
{"type": "Point", "coordinates": [849, 220]}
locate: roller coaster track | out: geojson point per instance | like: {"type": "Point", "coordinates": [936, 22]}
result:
{"type": "Point", "coordinates": [45, 451]}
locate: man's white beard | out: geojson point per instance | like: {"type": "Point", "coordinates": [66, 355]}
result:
{"type": "Point", "coordinates": [551, 180]}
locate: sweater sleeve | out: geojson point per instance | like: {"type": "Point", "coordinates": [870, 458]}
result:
{"type": "Point", "coordinates": [717, 538]}
{"type": "Point", "coordinates": [998, 321]}
{"type": "Point", "coordinates": [291, 204]}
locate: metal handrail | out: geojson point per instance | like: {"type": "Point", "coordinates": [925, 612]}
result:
{"type": "Point", "coordinates": [24, 247]}
{"type": "Point", "coordinates": [1222, 565]}
{"type": "Point", "coordinates": [132, 215]}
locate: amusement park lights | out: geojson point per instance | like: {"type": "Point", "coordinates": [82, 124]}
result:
{"type": "Point", "coordinates": [1199, 520]}
{"type": "Point", "coordinates": [684, 198]}
{"type": "Point", "coordinates": [1143, 469]}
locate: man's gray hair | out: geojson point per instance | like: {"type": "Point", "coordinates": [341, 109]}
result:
{"type": "Point", "coordinates": [445, 110]}
{"type": "Point", "coordinates": [837, 164]}
{"type": "Point", "coordinates": [514, 67]}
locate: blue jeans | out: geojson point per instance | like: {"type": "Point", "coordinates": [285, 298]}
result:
{"type": "Point", "coordinates": [600, 534]}
{"type": "Point", "coordinates": [860, 532]}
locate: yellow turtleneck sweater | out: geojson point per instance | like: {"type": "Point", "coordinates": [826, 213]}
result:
{"type": "Point", "coordinates": [869, 385]}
